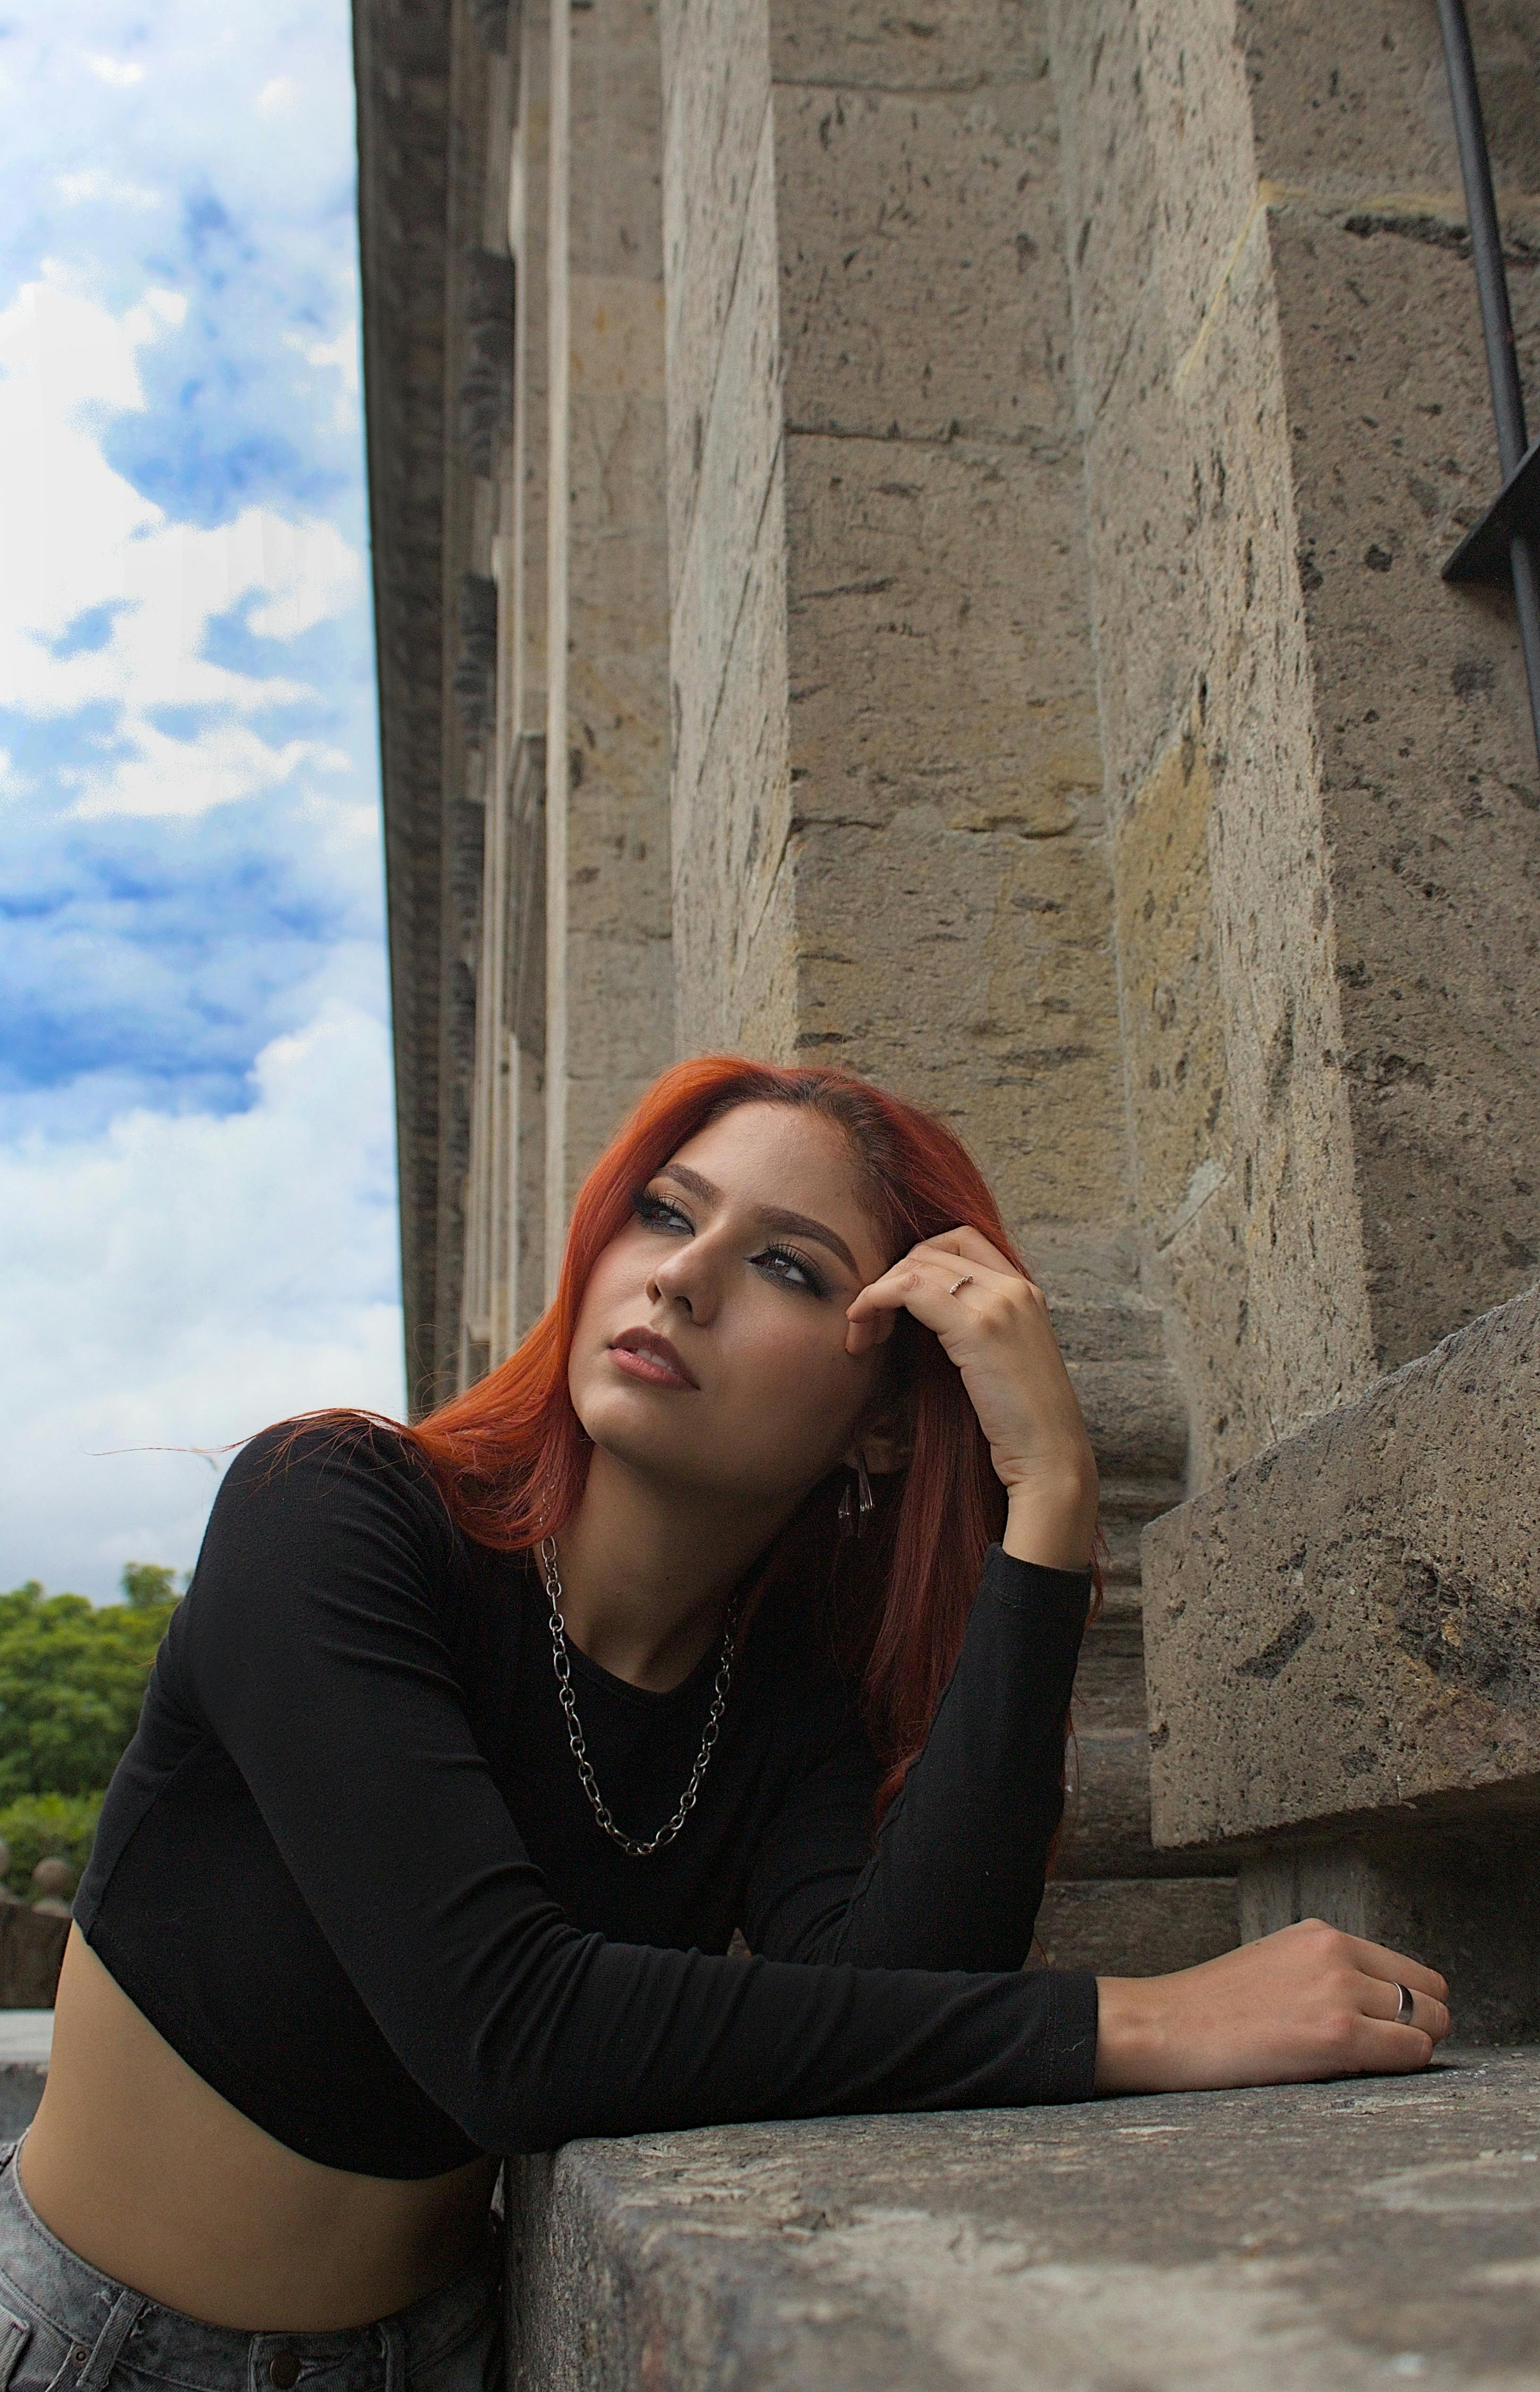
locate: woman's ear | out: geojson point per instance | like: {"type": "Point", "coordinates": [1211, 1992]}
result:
{"type": "Point", "coordinates": [886, 1442]}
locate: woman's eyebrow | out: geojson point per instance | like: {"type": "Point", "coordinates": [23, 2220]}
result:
{"type": "Point", "coordinates": [796, 1224]}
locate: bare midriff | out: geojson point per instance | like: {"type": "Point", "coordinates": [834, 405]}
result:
{"type": "Point", "coordinates": [147, 2173]}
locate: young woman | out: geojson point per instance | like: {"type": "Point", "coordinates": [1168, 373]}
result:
{"type": "Point", "coordinates": [746, 1595]}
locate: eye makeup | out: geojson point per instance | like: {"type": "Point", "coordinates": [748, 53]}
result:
{"type": "Point", "coordinates": [662, 1212]}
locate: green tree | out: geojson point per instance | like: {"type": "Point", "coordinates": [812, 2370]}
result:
{"type": "Point", "coordinates": [42, 1827]}
{"type": "Point", "coordinates": [72, 1677]}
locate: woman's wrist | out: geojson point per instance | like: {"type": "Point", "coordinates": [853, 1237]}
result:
{"type": "Point", "coordinates": [1050, 1517]}
{"type": "Point", "coordinates": [1129, 2041]}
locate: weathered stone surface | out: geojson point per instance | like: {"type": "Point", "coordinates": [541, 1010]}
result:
{"type": "Point", "coordinates": [32, 1953]}
{"type": "Point", "coordinates": [1330, 2238]}
{"type": "Point", "coordinates": [922, 290]}
{"type": "Point", "coordinates": [1347, 1628]}
{"type": "Point", "coordinates": [1137, 1927]}
{"type": "Point", "coordinates": [1283, 399]}
{"type": "Point", "coordinates": [21, 2083]}
{"type": "Point", "coordinates": [608, 957]}
{"type": "Point", "coordinates": [1203, 655]}
{"type": "Point", "coordinates": [1429, 772]}
{"type": "Point", "coordinates": [1107, 1824]}
{"type": "Point", "coordinates": [978, 42]}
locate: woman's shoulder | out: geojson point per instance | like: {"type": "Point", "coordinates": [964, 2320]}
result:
{"type": "Point", "coordinates": [346, 1463]}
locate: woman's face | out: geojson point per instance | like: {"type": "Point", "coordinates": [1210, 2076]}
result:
{"type": "Point", "coordinates": [710, 1350]}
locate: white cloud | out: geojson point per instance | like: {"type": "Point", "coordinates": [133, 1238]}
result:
{"type": "Point", "coordinates": [122, 74]}
{"type": "Point", "coordinates": [342, 356]}
{"type": "Point", "coordinates": [166, 777]}
{"type": "Point", "coordinates": [92, 184]}
{"type": "Point", "coordinates": [78, 537]}
{"type": "Point", "coordinates": [278, 97]}
{"type": "Point", "coordinates": [181, 1281]}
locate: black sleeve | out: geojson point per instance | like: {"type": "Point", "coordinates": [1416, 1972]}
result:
{"type": "Point", "coordinates": [956, 1876]}
{"type": "Point", "coordinates": [313, 1642]}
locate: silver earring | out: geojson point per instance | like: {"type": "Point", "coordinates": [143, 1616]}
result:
{"type": "Point", "coordinates": [846, 1512]}
{"type": "Point", "coordinates": [863, 1489]}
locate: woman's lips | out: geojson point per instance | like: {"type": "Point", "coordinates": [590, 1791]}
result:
{"type": "Point", "coordinates": [642, 1354]}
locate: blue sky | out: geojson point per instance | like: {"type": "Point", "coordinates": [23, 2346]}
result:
{"type": "Point", "coordinates": [197, 1195]}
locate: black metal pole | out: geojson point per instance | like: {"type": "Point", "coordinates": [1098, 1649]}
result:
{"type": "Point", "coordinates": [1502, 363]}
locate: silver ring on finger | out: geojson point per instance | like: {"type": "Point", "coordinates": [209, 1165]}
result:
{"type": "Point", "coordinates": [1404, 2005]}
{"type": "Point", "coordinates": [966, 1280]}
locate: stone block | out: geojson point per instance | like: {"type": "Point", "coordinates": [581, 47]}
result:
{"type": "Point", "coordinates": [1344, 1634]}
{"type": "Point", "coordinates": [975, 45]}
{"type": "Point", "coordinates": [1429, 786]}
{"type": "Point", "coordinates": [617, 106]}
{"type": "Point", "coordinates": [1359, 96]}
{"type": "Point", "coordinates": [32, 1953]}
{"type": "Point", "coordinates": [21, 2084]}
{"type": "Point", "coordinates": [922, 281]}
{"type": "Point", "coordinates": [1319, 2238]}
{"type": "Point", "coordinates": [1109, 1683]}
{"type": "Point", "coordinates": [731, 822]}
{"type": "Point", "coordinates": [1137, 1927]}
{"type": "Point", "coordinates": [1173, 1015]}
{"type": "Point", "coordinates": [717, 76]}
{"type": "Point", "coordinates": [723, 534]}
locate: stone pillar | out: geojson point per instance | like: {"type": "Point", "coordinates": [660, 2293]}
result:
{"type": "Point", "coordinates": [609, 1009]}
{"type": "Point", "coordinates": [1319, 767]}
{"type": "Point", "coordinates": [523, 583]}
{"type": "Point", "coordinates": [888, 840]}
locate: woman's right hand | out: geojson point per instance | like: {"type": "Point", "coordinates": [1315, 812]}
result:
{"type": "Point", "coordinates": [1306, 2003]}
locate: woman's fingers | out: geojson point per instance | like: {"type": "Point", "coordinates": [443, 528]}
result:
{"type": "Point", "coordinates": [921, 1283]}
{"type": "Point", "coordinates": [1381, 2000]}
{"type": "Point", "coordinates": [1395, 1969]}
{"type": "Point", "coordinates": [1392, 2050]}
{"type": "Point", "coordinates": [971, 1245]}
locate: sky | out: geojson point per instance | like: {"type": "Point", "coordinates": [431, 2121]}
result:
{"type": "Point", "coordinates": [197, 1172]}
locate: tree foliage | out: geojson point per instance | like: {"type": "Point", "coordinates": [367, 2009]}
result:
{"type": "Point", "coordinates": [45, 1827]}
{"type": "Point", "coordinates": [72, 1677]}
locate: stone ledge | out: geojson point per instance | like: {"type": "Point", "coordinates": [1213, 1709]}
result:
{"type": "Point", "coordinates": [1312, 2238]}
{"type": "Point", "coordinates": [1344, 1634]}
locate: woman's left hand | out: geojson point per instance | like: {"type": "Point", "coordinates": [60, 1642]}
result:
{"type": "Point", "coordinates": [995, 1327]}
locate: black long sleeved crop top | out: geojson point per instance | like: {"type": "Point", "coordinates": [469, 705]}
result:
{"type": "Point", "coordinates": [348, 1870]}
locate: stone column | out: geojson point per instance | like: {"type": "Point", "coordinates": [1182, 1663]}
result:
{"type": "Point", "coordinates": [1318, 757]}
{"type": "Point", "coordinates": [524, 578]}
{"type": "Point", "coordinates": [608, 1012]}
{"type": "Point", "coordinates": [889, 840]}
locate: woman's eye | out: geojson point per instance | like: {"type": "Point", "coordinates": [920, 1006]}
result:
{"type": "Point", "coordinates": [659, 1214]}
{"type": "Point", "coordinates": [791, 1268]}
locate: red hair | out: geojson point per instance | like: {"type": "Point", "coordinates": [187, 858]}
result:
{"type": "Point", "coordinates": [511, 1459]}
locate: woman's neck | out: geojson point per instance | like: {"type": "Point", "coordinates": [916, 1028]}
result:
{"type": "Point", "coordinates": [646, 1571]}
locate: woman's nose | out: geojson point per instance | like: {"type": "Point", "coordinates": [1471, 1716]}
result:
{"type": "Point", "coordinates": [687, 1276]}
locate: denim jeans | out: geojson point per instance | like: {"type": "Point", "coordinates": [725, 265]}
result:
{"type": "Point", "coordinates": [65, 2327]}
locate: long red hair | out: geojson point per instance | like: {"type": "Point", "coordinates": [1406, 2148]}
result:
{"type": "Point", "coordinates": [511, 1459]}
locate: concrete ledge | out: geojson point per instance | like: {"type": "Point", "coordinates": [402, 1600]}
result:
{"type": "Point", "coordinates": [1344, 1634]}
{"type": "Point", "coordinates": [1311, 2238]}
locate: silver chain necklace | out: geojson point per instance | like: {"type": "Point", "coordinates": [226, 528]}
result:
{"type": "Point", "coordinates": [562, 1663]}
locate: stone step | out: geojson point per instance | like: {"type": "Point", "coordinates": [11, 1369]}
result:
{"type": "Point", "coordinates": [1106, 1828]}
{"type": "Point", "coordinates": [1136, 1417]}
{"type": "Point", "coordinates": [1109, 1683]}
{"type": "Point", "coordinates": [1137, 1927]}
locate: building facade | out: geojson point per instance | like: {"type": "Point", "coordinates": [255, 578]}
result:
{"type": "Point", "coordinates": [913, 538]}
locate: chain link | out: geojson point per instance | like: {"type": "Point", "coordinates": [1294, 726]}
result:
{"type": "Point", "coordinates": [562, 1664]}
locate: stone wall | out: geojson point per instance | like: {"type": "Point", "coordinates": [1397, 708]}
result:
{"type": "Point", "coordinates": [959, 562]}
